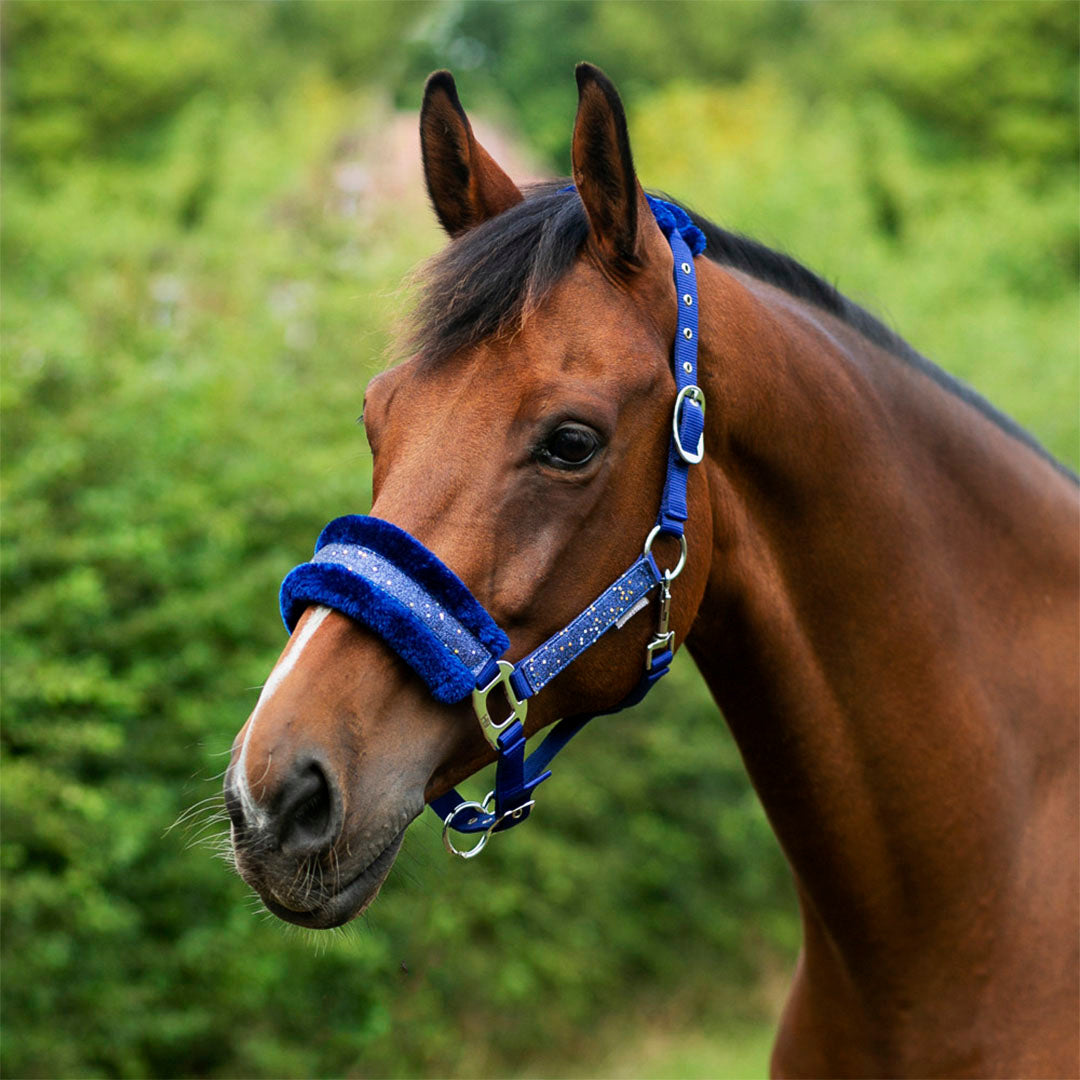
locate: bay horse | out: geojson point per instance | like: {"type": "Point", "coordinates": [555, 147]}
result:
{"type": "Point", "coordinates": [880, 589]}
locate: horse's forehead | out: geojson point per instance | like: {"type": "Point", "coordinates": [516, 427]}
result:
{"type": "Point", "coordinates": [586, 331]}
{"type": "Point", "coordinates": [588, 314]}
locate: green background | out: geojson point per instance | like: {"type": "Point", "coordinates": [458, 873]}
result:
{"type": "Point", "coordinates": [208, 211]}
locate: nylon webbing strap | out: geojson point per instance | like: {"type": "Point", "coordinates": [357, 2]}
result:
{"type": "Point", "coordinates": [689, 416]}
{"type": "Point", "coordinates": [516, 776]}
{"type": "Point", "coordinates": [609, 609]}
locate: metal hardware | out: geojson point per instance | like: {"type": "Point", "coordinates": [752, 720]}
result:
{"type": "Point", "coordinates": [686, 268]}
{"type": "Point", "coordinates": [491, 730]}
{"type": "Point", "coordinates": [687, 299]}
{"type": "Point", "coordinates": [694, 394]}
{"type": "Point", "coordinates": [465, 853]}
{"type": "Point", "coordinates": [687, 333]}
{"type": "Point", "coordinates": [669, 575]}
{"type": "Point", "coordinates": [480, 808]}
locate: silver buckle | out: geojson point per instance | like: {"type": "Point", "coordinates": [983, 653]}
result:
{"type": "Point", "coordinates": [491, 730]}
{"type": "Point", "coordinates": [660, 642]}
{"type": "Point", "coordinates": [694, 394]}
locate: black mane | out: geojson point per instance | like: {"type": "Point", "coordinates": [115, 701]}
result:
{"type": "Point", "coordinates": [486, 282]}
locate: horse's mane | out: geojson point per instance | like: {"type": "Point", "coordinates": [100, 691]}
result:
{"type": "Point", "coordinates": [487, 280]}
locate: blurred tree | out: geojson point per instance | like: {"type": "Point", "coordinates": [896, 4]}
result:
{"type": "Point", "coordinates": [996, 78]}
{"type": "Point", "coordinates": [107, 78]}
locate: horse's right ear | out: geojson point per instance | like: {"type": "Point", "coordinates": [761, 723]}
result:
{"type": "Point", "coordinates": [465, 184]}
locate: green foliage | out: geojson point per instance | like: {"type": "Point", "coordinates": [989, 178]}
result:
{"type": "Point", "coordinates": [108, 78]}
{"type": "Point", "coordinates": [204, 225]}
{"type": "Point", "coordinates": [998, 80]}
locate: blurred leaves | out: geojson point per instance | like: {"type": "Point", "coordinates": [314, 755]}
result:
{"type": "Point", "coordinates": [204, 231]}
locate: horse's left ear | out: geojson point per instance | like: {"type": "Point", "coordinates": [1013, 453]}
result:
{"type": "Point", "coordinates": [465, 184]}
{"type": "Point", "coordinates": [604, 172]}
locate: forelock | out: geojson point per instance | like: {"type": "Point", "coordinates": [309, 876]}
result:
{"type": "Point", "coordinates": [487, 280]}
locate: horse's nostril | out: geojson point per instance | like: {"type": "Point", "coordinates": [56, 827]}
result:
{"type": "Point", "coordinates": [233, 803]}
{"type": "Point", "coordinates": [308, 818]}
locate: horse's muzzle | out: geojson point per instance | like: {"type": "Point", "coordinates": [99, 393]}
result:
{"type": "Point", "coordinates": [290, 846]}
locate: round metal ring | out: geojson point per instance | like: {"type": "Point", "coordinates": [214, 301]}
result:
{"type": "Point", "coordinates": [671, 575]}
{"type": "Point", "coordinates": [464, 853]}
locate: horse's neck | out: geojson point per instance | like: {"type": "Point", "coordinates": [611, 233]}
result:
{"type": "Point", "coordinates": [890, 613]}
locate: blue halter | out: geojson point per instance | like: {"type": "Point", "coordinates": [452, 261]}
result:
{"type": "Point", "coordinates": [382, 577]}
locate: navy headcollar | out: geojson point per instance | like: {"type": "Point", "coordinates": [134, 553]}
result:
{"type": "Point", "coordinates": [382, 577]}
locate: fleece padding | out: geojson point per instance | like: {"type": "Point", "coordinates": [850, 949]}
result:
{"type": "Point", "coordinates": [380, 576]}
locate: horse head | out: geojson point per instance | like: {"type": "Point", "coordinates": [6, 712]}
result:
{"type": "Point", "coordinates": [523, 443]}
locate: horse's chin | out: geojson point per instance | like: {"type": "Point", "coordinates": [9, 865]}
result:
{"type": "Point", "coordinates": [342, 905]}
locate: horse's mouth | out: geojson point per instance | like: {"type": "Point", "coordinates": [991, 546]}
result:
{"type": "Point", "coordinates": [348, 901]}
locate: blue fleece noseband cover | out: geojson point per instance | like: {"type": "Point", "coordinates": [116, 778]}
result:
{"type": "Point", "coordinates": [380, 576]}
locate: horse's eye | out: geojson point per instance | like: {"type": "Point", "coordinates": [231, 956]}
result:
{"type": "Point", "coordinates": [569, 446]}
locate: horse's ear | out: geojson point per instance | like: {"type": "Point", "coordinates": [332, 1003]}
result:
{"type": "Point", "coordinates": [465, 184]}
{"type": "Point", "coordinates": [604, 171]}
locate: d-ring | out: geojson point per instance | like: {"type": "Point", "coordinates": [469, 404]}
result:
{"type": "Point", "coordinates": [464, 853]}
{"type": "Point", "coordinates": [671, 575]}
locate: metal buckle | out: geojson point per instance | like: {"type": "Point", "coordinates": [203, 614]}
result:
{"type": "Point", "coordinates": [515, 813]}
{"type": "Point", "coordinates": [694, 394]}
{"type": "Point", "coordinates": [491, 730]}
{"type": "Point", "coordinates": [662, 641]}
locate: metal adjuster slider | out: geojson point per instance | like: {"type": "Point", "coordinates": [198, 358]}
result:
{"type": "Point", "coordinates": [491, 730]}
{"type": "Point", "coordinates": [688, 394]}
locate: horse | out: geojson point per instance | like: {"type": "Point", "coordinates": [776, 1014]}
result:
{"type": "Point", "coordinates": [880, 588]}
